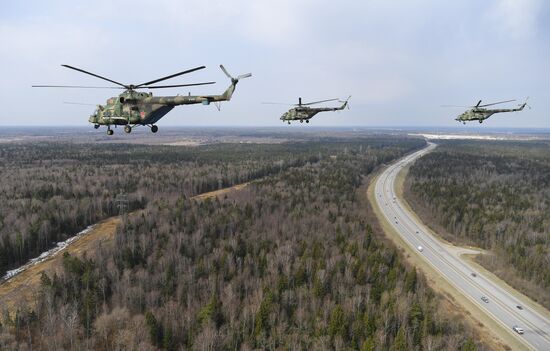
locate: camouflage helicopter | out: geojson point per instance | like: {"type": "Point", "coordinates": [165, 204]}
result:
{"type": "Point", "coordinates": [479, 113]}
{"type": "Point", "coordinates": [133, 108]}
{"type": "Point", "coordinates": [302, 112]}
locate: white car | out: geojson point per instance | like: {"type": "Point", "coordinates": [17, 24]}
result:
{"type": "Point", "coordinates": [420, 248]}
{"type": "Point", "coordinates": [517, 329]}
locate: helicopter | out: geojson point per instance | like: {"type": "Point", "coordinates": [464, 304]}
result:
{"type": "Point", "coordinates": [302, 112]}
{"type": "Point", "coordinates": [133, 108]}
{"type": "Point", "coordinates": [479, 113]}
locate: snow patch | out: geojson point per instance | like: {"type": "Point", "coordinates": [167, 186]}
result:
{"type": "Point", "coordinates": [46, 254]}
{"type": "Point", "coordinates": [472, 137]}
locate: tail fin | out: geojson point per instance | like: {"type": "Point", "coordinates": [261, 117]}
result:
{"type": "Point", "coordinates": [522, 106]}
{"type": "Point", "coordinates": [345, 103]}
{"type": "Point", "coordinates": [228, 93]}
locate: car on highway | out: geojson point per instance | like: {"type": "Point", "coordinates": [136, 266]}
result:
{"type": "Point", "coordinates": [474, 275]}
{"type": "Point", "coordinates": [517, 329]}
{"type": "Point", "coordinates": [485, 299]}
{"type": "Point", "coordinates": [519, 307]}
{"type": "Point", "coordinates": [420, 248]}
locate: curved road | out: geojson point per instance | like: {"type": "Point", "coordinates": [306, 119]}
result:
{"type": "Point", "coordinates": [501, 306]}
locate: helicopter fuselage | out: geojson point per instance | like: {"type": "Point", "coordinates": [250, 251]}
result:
{"type": "Point", "coordinates": [481, 114]}
{"type": "Point", "coordinates": [305, 113]}
{"type": "Point", "coordinates": [138, 108]}
{"type": "Point", "coordinates": [299, 113]}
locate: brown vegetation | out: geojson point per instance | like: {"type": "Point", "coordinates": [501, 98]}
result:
{"type": "Point", "coordinates": [289, 262]}
{"type": "Point", "coordinates": [495, 195]}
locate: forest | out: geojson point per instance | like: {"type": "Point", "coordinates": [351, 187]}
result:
{"type": "Point", "coordinates": [494, 195]}
{"type": "Point", "coordinates": [51, 191]}
{"type": "Point", "coordinates": [290, 262]}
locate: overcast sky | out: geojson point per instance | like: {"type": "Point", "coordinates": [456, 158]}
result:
{"type": "Point", "coordinates": [400, 60]}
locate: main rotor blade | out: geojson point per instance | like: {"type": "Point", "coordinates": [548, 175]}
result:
{"type": "Point", "coordinates": [318, 102]}
{"type": "Point", "coordinates": [176, 85]}
{"type": "Point", "coordinates": [171, 76]}
{"type": "Point", "coordinates": [97, 76]}
{"type": "Point", "coordinates": [496, 103]}
{"type": "Point", "coordinates": [74, 86]}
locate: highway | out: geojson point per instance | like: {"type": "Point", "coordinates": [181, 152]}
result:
{"type": "Point", "coordinates": [501, 305]}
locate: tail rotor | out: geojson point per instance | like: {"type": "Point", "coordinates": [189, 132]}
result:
{"type": "Point", "coordinates": [525, 103]}
{"type": "Point", "coordinates": [233, 79]}
{"type": "Point", "coordinates": [346, 102]}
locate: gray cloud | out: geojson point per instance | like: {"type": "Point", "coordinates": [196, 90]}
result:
{"type": "Point", "coordinates": [399, 59]}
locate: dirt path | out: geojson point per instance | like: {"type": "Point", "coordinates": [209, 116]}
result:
{"type": "Point", "coordinates": [19, 291]}
{"type": "Point", "coordinates": [220, 192]}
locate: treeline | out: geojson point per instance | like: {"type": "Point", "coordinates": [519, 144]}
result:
{"type": "Point", "coordinates": [51, 191]}
{"type": "Point", "coordinates": [289, 262]}
{"type": "Point", "coordinates": [495, 195]}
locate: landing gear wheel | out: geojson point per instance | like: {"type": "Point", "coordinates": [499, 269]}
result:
{"type": "Point", "coordinates": [307, 120]}
{"type": "Point", "coordinates": [110, 132]}
{"type": "Point", "coordinates": [127, 129]}
{"type": "Point", "coordinates": [301, 121]}
{"type": "Point", "coordinates": [96, 126]}
{"type": "Point", "coordinates": [480, 121]}
{"type": "Point", "coordinates": [288, 122]}
{"type": "Point", "coordinates": [154, 128]}
{"type": "Point", "coordinates": [464, 123]}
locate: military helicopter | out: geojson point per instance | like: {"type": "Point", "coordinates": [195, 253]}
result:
{"type": "Point", "coordinates": [302, 112]}
{"type": "Point", "coordinates": [479, 113]}
{"type": "Point", "coordinates": [133, 108]}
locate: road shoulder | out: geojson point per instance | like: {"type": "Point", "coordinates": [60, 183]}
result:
{"type": "Point", "coordinates": [467, 253]}
{"type": "Point", "coordinates": [488, 330]}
